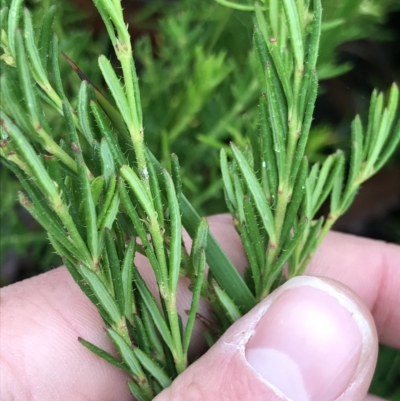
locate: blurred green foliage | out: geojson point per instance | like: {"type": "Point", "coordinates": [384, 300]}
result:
{"type": "Point", "coordinates": [386, 381]}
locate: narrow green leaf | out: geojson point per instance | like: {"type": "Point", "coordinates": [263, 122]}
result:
{"type": "Point", "coordinates": [107, 21]}
{"type": "Point", "coordinates": [105, 129]}
{"type": "Point", "coordinates": [97, 186]}
{"type": "Point", "coordinates": [239, 195]}
{"type": "Point", "coordinates": [107, 162]}
{"type": "Point", "coordinates": [235, 5]}
{"type": "Point", "coordinates": [156, 192]}
{"type": "Point", "coordinates": [25, 78]}
{"type": "Point", "coordinates": [305, 129]}
{"type": "Point", "coordinates": [83, 111]}
{"type": "Point", "coordinates": [55, 69]}
{"type": "Point", "coordinates": [198, 259]}
{"type": "Point", "coordinates": [36, 63]}
{"type": "Point", "coordinates": [105, 270]}
{"type": "Point", "coordinates": [45, 36]}
{"type": "Point", "coordinates": [277, 108]}
{"type": "Point", "coordinates": [312, 55]}
{"type": "Point", "coordinates": [113, 11]}
{"type": "Point", "coordinates": [13, 22]}
{"type": "Point", "coordinates": [269, 155]}
{"type": "Point", "coordinates": [314, 43]}
{"type": "Point", "coordinates": [138, 189]}
{"type": "Point", "coordinates": [257, 193]}
{"type": "Point", "coordinates": [116, 88]}
{"type": "Point", "coordinates": [226, 176]}
{"type": "Point", "coordinates": [138, 226]}
{"type": "Point", "coordinates": [336, 195]}
{"type": "Point", "coordinates": [113, 114]}
{"type": "Point", "coordinates": [152, 335]}
{"type": "Point", "coordinates": [103, 354]}
{"type": "Point", "coordinates": [131, 361]}
{"type": "Point", "coordinates": [356, 149]}
{"type": "Point", "coordinates": [380, 137]}
{"type": "Point", "coordinates": [127, 277]}
{"type": "Point", "coordinates": [94, 152]}
{"type": "Point", "coordinates": [295, 201]}
{"type": "Point", "coordinates": [140, 334]}
{"type": "Point", "coordinates": [54, 170]}
{"type": "Point", "coordinates": [69, 122]}
{"type": "Point", "coordinates": [287, 249]}
{"type": "Point", "coordinates": [4, 19]}
{"type": "Point", "coordinates": [374, 124]}
{"type": "Point", "coordinates": [137, 392]}
{"type": "Point", "coordinates": [136, 92]}
{"type": "Point", "coordinates": [272, 44]}
{"type": "Point", "coordinates": [88, 205]}
{"type": "Point", "coordinates": [176, 233]}
{"type": "Point", "coordinates": [392, 104]}
{"type": "Point", "coordinates": [77, 276]}
{"type": "Point", "coordinates": [67, 256]}
{"type": "Point", "coordinates": [154, 311]}
{"type": "Point", "coordinates": [257, 239]}
{"type": "Point", "coordinates": [115, 270]}
{"type": "Point", "coordinates": [325, 181]}
{"type": "Point", "coordinates": [390, 147]}
{"type": "Point", "coordinates": [176, 175]}
{"type": "Point", "coordinates": [104, 298]}
{"type": "Point", "coordinates": [229, 306]}
{"type": "Point", "coordinates": [153, 368]}
{"type": "Point", "coordinates": [107, 201]}
{"type": "Point", "coordinates": [111, 213]}
{"type": "Point", "coordinates": [296, 31]}
{"type": "Point", "coordinates": [249, 249]}
{"type": "Point", "coordinates": [311, 242]}
{"type": "Point", "coordinates": [319, 181]}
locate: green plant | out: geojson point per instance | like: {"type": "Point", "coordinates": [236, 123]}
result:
{"type": "Point", "coordinates": [101, 195]}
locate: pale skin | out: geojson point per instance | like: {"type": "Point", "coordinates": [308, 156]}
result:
{"type": "Point", "coordinates": [41, 319]}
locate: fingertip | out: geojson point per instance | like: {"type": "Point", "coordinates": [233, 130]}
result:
{"type": "Point", "coordinates": [310, 340]}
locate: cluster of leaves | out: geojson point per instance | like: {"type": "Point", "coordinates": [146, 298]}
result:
{"type": "Point", "coordinates": [272, 192]}
{"type": "Point", "coordinates": [210, 92]}
{"type": "Point", "coordinates": [102, 196]}
{"type": "Point", "coordinates": [19, 235]}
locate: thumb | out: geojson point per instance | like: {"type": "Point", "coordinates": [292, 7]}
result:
{"type": "Point", "coordinates": [310, 340]}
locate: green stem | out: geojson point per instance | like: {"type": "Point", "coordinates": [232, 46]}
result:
{"type": "Point", "coordinates": [284, 191]}
{"type": "Point", "coordinates": [275, 248]}
{"type": "Point", "coordinates": [123, 50]}
{"type": "Point", "coordinates": [169, 297]}
{"type": "Point", "coordinates": [173, 317]}
{"type": "Point", "coordinates": [293, 121]}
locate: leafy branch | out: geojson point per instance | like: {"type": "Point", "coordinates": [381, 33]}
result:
{"type": "Point", "coordinates": [271, 190]}
{"type": "Point", "coordinates": [102, 196]}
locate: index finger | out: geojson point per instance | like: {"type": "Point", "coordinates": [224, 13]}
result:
{"type": "Point", "coordinates": [371, 269]}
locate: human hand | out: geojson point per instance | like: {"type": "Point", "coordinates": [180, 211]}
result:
{"type": "Point", "coordinates": [300, 341]}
